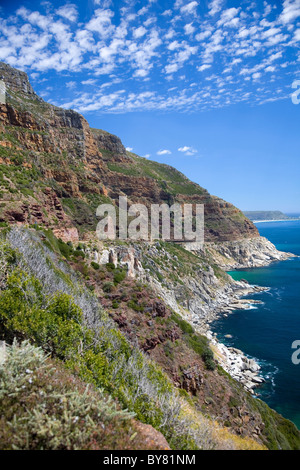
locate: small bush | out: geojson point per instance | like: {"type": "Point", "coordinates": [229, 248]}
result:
{"type": "Point", "coordinates": [110, 266]}
{"type": "Point", "coordinates": [119, 276]}
{"type": "Point", "coordinates": [79, 254]}
{"type": "Point", "coordinates": [94, 265]}
{"type": "Point", "coordinates": [65, 249]}
{"type": "Point", "coordinates": [208, 358]}
{"type": "Point", "coordinates": [108, 287]}
{"type": "Point", "coordinates": [135, 306]}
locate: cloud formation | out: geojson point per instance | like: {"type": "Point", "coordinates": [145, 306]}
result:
{"type": "Point", "coordinates": [190, 57]}
{"type": "Point", "coordinates": [189, 151]}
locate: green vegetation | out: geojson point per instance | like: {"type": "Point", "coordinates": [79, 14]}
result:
{"type": "Point", "coordinates": [90, 346]}
{"type": "Point", "coordinates": [198, 343]}
{"type": "Point", "coordinates": [94, 265]}
{"type": "Point", "coordinates": [119, 276]}
{"type": "Point", "coordinates": [82, 213]}
{"type": "Point", "coordinates": [44, 407]}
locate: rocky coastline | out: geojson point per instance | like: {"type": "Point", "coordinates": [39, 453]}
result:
{"type": "Point", "coordinates": [254, 253]}
{"type": "Point", "coordinates": [239, 366]}
{"type": "Point", "coordinates": [231, 296]}
{"type": "Point", "coordinates": [209, 296]}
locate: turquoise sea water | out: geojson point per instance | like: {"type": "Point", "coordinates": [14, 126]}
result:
{"type": "Point", "coordinates": [266, 331]}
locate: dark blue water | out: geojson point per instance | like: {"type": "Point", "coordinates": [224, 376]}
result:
{"type": "Point", "coordinates": [267, 331]}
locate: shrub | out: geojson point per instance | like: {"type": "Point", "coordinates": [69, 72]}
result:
{"type": "Point", "coordinates": [51, 322]}
{"type": "Point", "coordinates": [119, 276]}
{"type": "Point", "coordinates": [95, 265]}
{"type": "Point", "coordinates": [65, 249]}
{"type": "Point", "coordinates": [108, 287]}
{"type": "Point", "coordinates": [110, 266]}
{"type": "Point", "coordinates": [135, 306]}
{"type": "Point", "coordinates": [79, 254]}
{"type": "Point", "coordinates": [208, 358]}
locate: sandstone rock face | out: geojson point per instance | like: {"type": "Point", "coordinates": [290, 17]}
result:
{"type": "Point", "coordinates": [153, 439]}
{"type": "Point", "coordinates": [192, 379]}
{"type": "Point", "coordinates": [109, 142]}
{"type": "Point", "coordinates": [67, 234]}
{"type": "Point", "coordinates": [16, 80]}
{"type": "Point", "coordinates": [122, 256]}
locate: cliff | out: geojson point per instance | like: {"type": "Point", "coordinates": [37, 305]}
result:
{"type": "Point", "coordinates": [56, 170]}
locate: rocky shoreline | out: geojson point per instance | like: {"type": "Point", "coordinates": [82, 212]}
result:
{"type": "Point", "coordinates": [238, 365]}
{"type": "Point", "coordinates": [242, 368]}
{"type": "Point", "coordinates": [224, 299]}
{"type": "Point", "coordinates": [203, 298]}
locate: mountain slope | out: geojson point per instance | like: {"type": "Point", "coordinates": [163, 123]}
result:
{"type": "Point", "coordinates": [57, 170]}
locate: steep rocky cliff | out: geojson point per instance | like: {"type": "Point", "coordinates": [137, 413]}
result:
{"type": "Point", "coordinates": [56, 170]}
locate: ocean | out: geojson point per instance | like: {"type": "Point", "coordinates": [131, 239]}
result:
{"type": "Point", "coordinates": [266, 331]}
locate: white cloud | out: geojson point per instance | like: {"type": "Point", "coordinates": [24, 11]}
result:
{"type": "Point", "coordinates": [189, 28]}
{"type": "Point", "coordinates": [256, 75]}
{"type": "Point", "coordinates": [90, 81]}
{"type": "Point", "coordinates": [203, 35]}
{"type": "Point", "coordinates": [71, 84]}
{"type": "Point", "coordinates": [164, 152]}
{"type": "Point", "coordinates": [227, 16]}
{"type": "Point", "coordinates": [189, 8]}
{"type": "Point", "coordinates": [174, 45]}
{"type": "Point", "coordinates": [203, 67]}
{"type": "Point", "coordinates": [215, 6]}
{"type": "Point", "coordinates": [270, 68]}
{"type": "Point", "coordinates": [142, 11]}
{"type": "Point", "coordinates": [68, 11]}
{"type": "Point", "coordinates": [270, 32]}
{"type": "Point", "coordinates": [291, 11]}
{"type": "Point", "coordinates": [129, 149]}
{"type": "Point", "coordinates": [188, 150]}
{"type": "Point", "coordinates": [139, 32]}
{"type": "Point", "coordinates": [101, 22]}
{"type": "Point", "coordinates": [180, 58]}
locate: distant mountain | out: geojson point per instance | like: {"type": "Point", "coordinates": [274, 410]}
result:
{"type": "Point", "coordinates": [266, 215]}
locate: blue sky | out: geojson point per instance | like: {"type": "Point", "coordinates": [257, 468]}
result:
{"type": "Point", "coordinates": [202, 85]}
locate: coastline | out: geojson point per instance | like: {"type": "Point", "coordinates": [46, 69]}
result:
{"type": "Point", "coordinates": [210, 293]}
{"type": "Point", "coordinates": [235, 362]}
{"type": "Point", "coordinates": [244, 369]}
{"type": "Point", "coordinates": [277, 220]}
